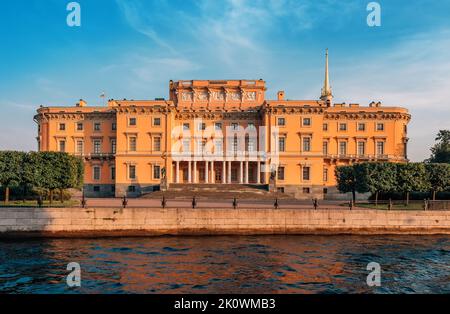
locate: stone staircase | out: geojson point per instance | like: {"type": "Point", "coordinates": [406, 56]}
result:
{"type": "Point", "coordinates": [217, 191]}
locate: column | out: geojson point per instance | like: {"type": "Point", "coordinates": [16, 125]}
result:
{"type": "Point", "coordinates": [195, 172]}
{"type": "Point", "coordinates": [213, 173]}
{"type": "Point", "coordinates": [246, 172]}
{"type": "Point", "coordinates": [224, 173]}
{"type": "Point", "coordinates": [206, 172]}
{"type": "Point", "coordinates": [241, 172]}
{"type": "Point", "coordinates": [189, 172]}
{"type": "Point", "coordinates": [229, 172]}
{"type": "Point", "coordinates": [258, 173]}
{"type": "Point", "coordinates": [177, 175]}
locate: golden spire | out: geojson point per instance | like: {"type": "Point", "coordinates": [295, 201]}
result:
{"type": "Point", "coordinates": [326, 90]}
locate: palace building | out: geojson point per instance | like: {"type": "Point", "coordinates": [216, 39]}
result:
{"type": "Point", "coordinates": [221, 132]}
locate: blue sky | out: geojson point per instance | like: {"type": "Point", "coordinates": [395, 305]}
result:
{"type": "Point", "coordinates": [132, 48]}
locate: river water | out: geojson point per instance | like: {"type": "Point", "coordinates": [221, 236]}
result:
{"type": "Point", "coordinates": [228, 264]}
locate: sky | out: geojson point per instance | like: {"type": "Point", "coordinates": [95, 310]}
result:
{"type": "Point", "coordinates": [132, 48]}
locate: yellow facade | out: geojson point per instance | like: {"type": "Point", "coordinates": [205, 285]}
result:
{"type": "Point", "coordinates": [222, 132]}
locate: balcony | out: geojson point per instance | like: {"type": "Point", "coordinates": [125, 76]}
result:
{"type": "Point", "coordinates": [362, 157]}
{"type": "Point", "coordinates": [99, 156]}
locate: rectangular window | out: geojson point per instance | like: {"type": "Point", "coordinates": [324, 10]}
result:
{"type": "Point", "coordinates": [380, 126]}
{"type": "Point", "coordinates": [343, 148]}
{"type": "Point", "coordinates": [306, 191]}
{"type": "Point", "coordinates": [281, 122]}
{"type": "Point", "coordinates": [113, 173]}
{"type": "Point", "coordinates": [202, 126]}
{"type": "Point", "coordinates": [79, 126]}
{"type": "Point", "coordinates": [380, 148]}
{"type": "Point", "coordinates": [361, 148]}
{"type": "Point", "coordinates": [157, 144]}
{"type": "Point", "coordinates": [96, 188]}
{"type": "Point", "coordinates": [281, 144]}
{"type": "Point", "coordinates": [218, 146]}
{"type": "Point", "coordinates": [113, 146]}
{"type": "Point", "coordinates": [132, 144]}
{"type": "Point", "coordinates": [234, 126]}
{"type": "Point", "coordinates": [306, 144]}
{"type": "Point", "coordinates": [342, 126]}
{"type": "Point", "coordinates": [131, 189]}
{"type": "Point", "coordinates": [325, 174]}
{"type": "Point", "coordinates": [97, 146]}
{"type": "Point", "coordinates": [251, 145]}
{"type": "Point", "coordinates": [132, 172]}
{"type": "Point", "coordinates": [96, 170]}
{"type": "Point", "coordinates": [62, 146]}
{"type": "Point", "coordinates": [218, 126]}
{"type": "Point", "coordinates": [113, 126]}
{"type": "Point", "coordinates": [185, 126]}
{"type": "Point", "coordinates": [325, 127]}
{"type": "Point", "coordinates": [62, 126]}
{"type": "Point", "coordinates": [132, 122]}
{"type": "Point", "coordinates": [251, 126]}
{"type": "Point", "coordinates": [306, 173]}
{"type": "Point", "coordinates": [280, 173]}
{"type": "Point", "coordinates": [80, 145]}
{"type": "Point", "coordinates": [306, 121]}
{"type": "Point", "coordinates": [186, 146]}
{"type": "Point", "coordinates": [156, 121]}
{"type": "Point", "coordinates": [235, 144]}
{"type": "Point", "coordinates": [361, 126]}
{"type": "Point", "coordinates": [156, 172]}
{"type": "Point", "coordinates": [325, 148]}
{"type": "Point", "coordinates": [97, 126]}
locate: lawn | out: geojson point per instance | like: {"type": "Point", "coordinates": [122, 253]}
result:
{"type": "Point", "coordinates": [69, 203]}
{"type": "Point", "coordinates": [398, 206]}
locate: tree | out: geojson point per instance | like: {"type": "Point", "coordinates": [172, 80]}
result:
{"type": "Point", "coordinates": [50, 174]}
{"type": "Point", "coordinates": [411, 177]}
{"type": "Point", "coordinates": [438, 176]}
{"type": "Point", "coordinates": [346, 180]}
{"type": "Point", "coordinates": [440, 152]}
{"type": "Point", "coordinates": [10, 163]}
{"type": "Point", "coordinates": [375, 178]}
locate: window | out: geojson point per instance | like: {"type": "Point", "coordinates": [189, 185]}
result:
{"type": "Point", "coordinates": [325, 127]}
{"type": "Point", "coordinates": [280, 173]}
{"type": "Point", "coordinates": [156, 121]}
{"type": "Point", "coordinates": [251, 144]}
{"type": "Point", "coordinates": [131, 189]}
{"type": "Point", "coordinates": [234, 126]}
{"type": "Point", "coordinates": [202, 126]}
{"type": "Point", "coordinates": [185, 126]}
{"type": "Point", "coordinates": [325, 190]}
{"type": "Point", "coordinates": [306, 191]}
{"type": "Point", "coordinates": [132, 172]}
{"type": "Point", "coordinates": [96, 188]}
{"type": "Point", "coordinates": [281, 122]}
{"type": "Point", "coordinates": [325, 174]}
{"type": "Point", "coordinates": [361, 126]}
{"type": "Point", "coordinates": [325, 148]}
{"type": "Point", "coordinates": [251, 126]}
{"type": "Point", "coordinates": [97, 146]}
{"type": "Point", "coordinates": [157, 144]}
{"type": "Point", "coordinates": [113, 146]}
{"type": "Point", "coordinates": [235, 144]}
{"type": "Point", "coordinates": [113, 173]}
{"type": "Point", "coordinates": [361, 148]}
{"type": "Point", "coordinates": [218, 146]}
{"type": "Point", "coordinates": [132, 122]}
{"type": "Point", "coordinates": [113, 126]}
{"type": "Point", "coordinates": [405, 128]}
{"type": "Point", "coordinates": [380, 148]}
{"type": "Point", "coordinates": [132, 144]}
{"type": "Point", "coordinates": [96, 170]}
{"type": "Point", "coordinates": [97, 126]}
{"type": "Point", "coordinates": [342, 126]}
{"type": "Point", "coordinates": [306, 121]}
{"type": "Point", "coordinates": [306, 173]}
{"type": "Point", "coordinates": [62, 126]}
{"type": "Point", "coordinates": [80, 147]}
{"type": "Point", "coordinates": [380, 126]}
{"type": "Point", "coordinates": [281, 144]}
{"type": "Point", "coordinates": [306, 144]}
{"type": "Point", "coordinates": [62, 146]}
{"type": "Point", "coordinates": [79, 126]}
{"type": "Point", "coordinates": [343, 148]}
{"type": "Point", "coordinates": [218, 126]}
{"type": "Point", "coordinates": [156, 172]}
{"type": "Point", "coordinates": [186, 146]}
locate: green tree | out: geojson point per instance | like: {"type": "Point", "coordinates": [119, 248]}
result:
{"type": "Point", "coordinates": [346, 180]}
{"type": "Point", "coordinates": [50, 174]}
{"type": "Point", "coordinates": [10, 163]}
{"type": "Point", "coordinates": [438, 176]}
{"type": "Point", "coordinates": [411, 177]}
{"type": "Point", "coordinates": [440, 152]}
{"type": "Point", "coordinates": [375, 177]}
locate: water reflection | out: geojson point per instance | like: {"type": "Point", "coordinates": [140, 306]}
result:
{"type": "Point", "coordinates": [245, 264]}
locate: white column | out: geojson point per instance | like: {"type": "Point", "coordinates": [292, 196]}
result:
{"type": "Point", "coordinates": [177, 175]}
{"type": "Point", "coordinates": [229, 172]}
{"type": "Point", "coordinates": [246, 172]}
{"type": "Point", "coordinates": [224, 173]}
{"type": "Point", "coordinates": [241, 172]}
{"type": "Point", "coordinates": [195, 172]}
{"type": "Point", "coordinates": [189, 172]}
{"type": "Point", "coordinates": [258, 173]}
{"type": "Point", "coordinates": [213, 173]}
{"type": "Point", "coordinates": [206, 171]}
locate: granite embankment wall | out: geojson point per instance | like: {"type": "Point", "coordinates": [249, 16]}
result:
{"type": "Point", "coordinates": [186, 221]}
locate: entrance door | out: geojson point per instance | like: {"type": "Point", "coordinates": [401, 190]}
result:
{"type": "Point", "coordinates": [234, 174]}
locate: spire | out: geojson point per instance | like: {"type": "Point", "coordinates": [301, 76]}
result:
{"type": "Point", "coordinates": [326, 90]}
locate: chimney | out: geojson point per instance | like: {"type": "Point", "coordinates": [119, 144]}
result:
{"type": "Point", "coordinates": [82, 103]}
{"type": "Point", "coordinates": [281, 95]}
